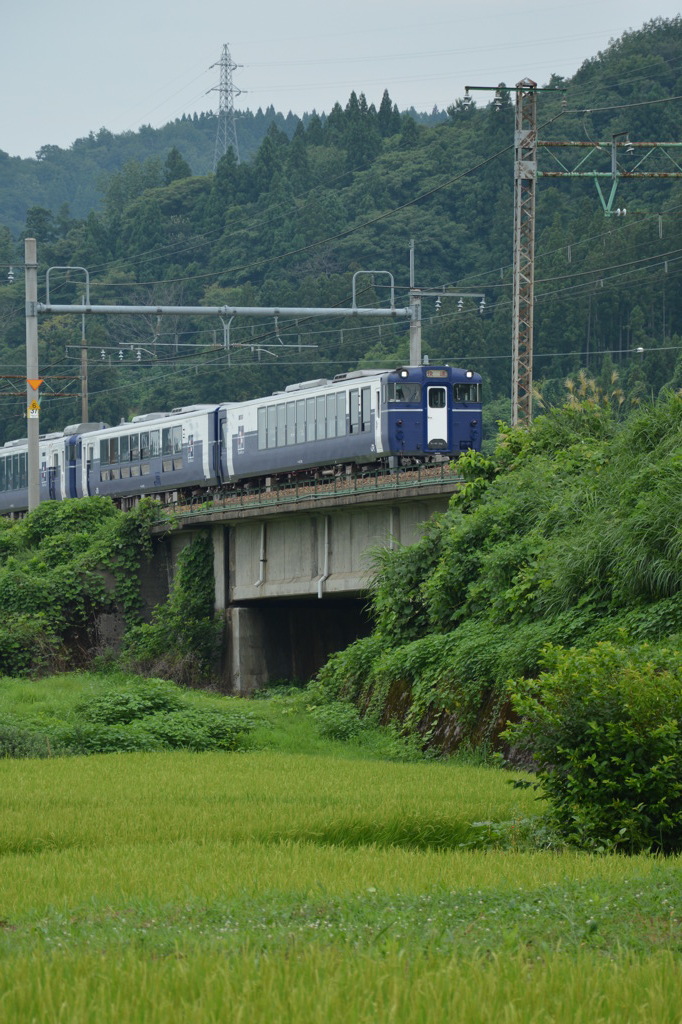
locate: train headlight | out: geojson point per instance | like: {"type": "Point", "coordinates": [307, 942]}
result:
{"type": "Point", "coordinates": [470, 373]}
{"type": "Point", "coordinates": [404, 373]}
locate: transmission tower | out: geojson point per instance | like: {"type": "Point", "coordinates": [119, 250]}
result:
{"type": "Point", "coordinates": [226, 134]}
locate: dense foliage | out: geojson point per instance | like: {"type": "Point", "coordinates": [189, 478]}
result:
{"type": "Point", "coordinates": [62, 567]}
{"type": "Point", "coordinates": [605, 729]}
{"type": "Point", "coordinates": [116, 713]}
{"type": "Point", "coordinates": [182, 640]}
{"type": "Point", "coordinates": [318, 199]}
{"type": "Point", "coordinates": [568, 536]}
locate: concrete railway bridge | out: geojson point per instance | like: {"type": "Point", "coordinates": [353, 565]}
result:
{"type": "Point", "coordinates": [292, 564]}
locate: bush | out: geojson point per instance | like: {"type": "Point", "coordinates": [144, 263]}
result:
{"type": "Point", "coordinates": [605, 729]}
{"type": "Point", "coordinates": [17, 741]}
{"type": "Point", "coordinates": [119, 707]}
{"type": "Point", "coordinates": [338, 720]}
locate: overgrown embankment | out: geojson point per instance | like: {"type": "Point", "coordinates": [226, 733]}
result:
{"type": "Point", "coordinates": [69, 563]}
{"type": "Point", "coordinates": [567, 536]}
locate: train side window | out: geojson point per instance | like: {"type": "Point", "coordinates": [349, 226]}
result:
{"type": "Point", "coordinates": [154, 442]}
{"type": "Point", "coordinates": [177, 439]}
{"type": "Point", "coordinates": [262, 429]}
{"type": "Point", "coordinates": [113, 450]}
{"type": "Point", "coordinates": [23, 470]}
{"type": "Point", "coordinates": [321, 417]}
{"type": "Point", "coordinates": [2, 474]}
{"type": "Point", "coordinates": [331, 415]}
{"type": "Point", "coordinates": [291, 423]}
{"type": "Point", "coordinates": [134, 446]}
{"type": "Point", "coordinates": [272, 426]}
{"type": "Point", "coordinates": [353, 411]}
{"type": "Point", "coordinates": [340, 413]}
{"type": "Point", "coordinates": [300, 421]}
{"type": "Point", "coordinates": [166, 442]}
{"type": "Point", "coordinates": [365, 405]}
{"type": "Point", "coordinates": [125, 449]}
{"type": "Point", "coordinates": [144, 444]}
{"type": "Point", "coordinates": [310, 419]}
{"type": "Point", "coordinates": [436, 398]}
{"type": "Point", "coordinates": [104, 453]}
{"type": "Point", "coordinates": [281, 425]}
{"type": "Point", "coordinates": [16, 475]}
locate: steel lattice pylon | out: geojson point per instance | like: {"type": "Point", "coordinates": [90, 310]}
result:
{"type": "Point", "coordinates": [525, 174]}
{"type": "Point", "coordinates": [226, 134]}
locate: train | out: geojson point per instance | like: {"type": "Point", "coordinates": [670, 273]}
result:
{"type": "Point", "coordinates": [366, 418]}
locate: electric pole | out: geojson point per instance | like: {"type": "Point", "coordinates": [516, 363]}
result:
{"type": "Point", "coordinates": [33, 382]}
{"type": "Point", "coordinates": [525, 175]}
{"type": "Point", "coordinates": [226, 133]}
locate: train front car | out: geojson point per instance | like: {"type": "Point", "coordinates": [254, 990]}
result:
{"type": "Point", "coordinates": [431, 411]}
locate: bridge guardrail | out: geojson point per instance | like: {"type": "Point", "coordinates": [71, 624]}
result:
{"type": "Point", "coordinates": [300, 490]}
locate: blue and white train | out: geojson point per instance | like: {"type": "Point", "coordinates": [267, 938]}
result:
{"type": "Point", "coordinates": [366, 417]}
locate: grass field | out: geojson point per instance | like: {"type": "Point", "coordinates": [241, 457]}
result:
{"type": "Point", "coordinates": [329, 885]}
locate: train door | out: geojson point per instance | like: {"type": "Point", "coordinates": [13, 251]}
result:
{"type": "Point", "coordinates": [52, 472]}
{"type": "Point", "coordinates": [437, 438]}
{"type": "Point", "coordinates": [73, 454]}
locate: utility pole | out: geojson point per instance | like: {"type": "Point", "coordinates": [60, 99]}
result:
{"type": "Point", "coordinates": [416, 295]}
{"type": "Point", "coordinates": [33, 382]}
{"type": "Point", "coordinates": [525, 175]}
{"type": "Point", "coordinates": [84, 370]}
{"type": "Point", "coordinates": [416, 318]}
{"type": "Point", "coordinates": [226, 133]}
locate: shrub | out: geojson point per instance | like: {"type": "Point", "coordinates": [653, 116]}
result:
{"type": "Point", "coordinates": [605, 729]}
{"type": "Point", "coordinates": [17, 741]}
{"type": "Point", "coordinates": [119, 707]}
{"type": "Point", "coordinates": [194, 729]}
{"type": "Point", "coordinates": [338, 720]}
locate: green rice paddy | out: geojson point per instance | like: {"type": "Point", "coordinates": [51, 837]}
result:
{"type": "Point", "coordinates": [272, 886]}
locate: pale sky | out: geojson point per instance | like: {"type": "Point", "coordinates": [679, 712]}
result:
{"type": "Point", "coordinates": [74, 67]}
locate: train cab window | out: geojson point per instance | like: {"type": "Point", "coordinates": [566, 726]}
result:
{"type": "Point", "coordinates": [281, 425]}
{"type": "Point", "coordinates": [331, 415]}
{"type": "Point", "coordinates": [262, 429]}
{"type": "Point", "coordinates": [469, 392]}
{"type": "Point", "coordinates": [291, 423]}
{"type": "Point", "coordinates": [310, 419]}
{"type": "Point", "coordinates": [134, 447]}
{"type": "Point", "coordinates": [154, 442]}
{"type": "Point", "coordinates": [353, 412]}
{"type": "Point", "coordinates": [144, 444]}
{"type": "Point", "coordinates": [125, 449]}
{"type": "Point", "coordinates": [436, 398]}
{"type": "Point", "coordinates": [340, 413]}
{"type": "Point", "coordinates": [300, 421]}
{"type": "Point", "coordinates": [321, 417]}
{"type": "Point", "coordinates": [365, 408]}
{"type": "Point", "coordinates": [403, 391]}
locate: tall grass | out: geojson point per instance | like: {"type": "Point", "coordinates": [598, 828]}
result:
{"type": "Point", "coordinates": [325, 985]}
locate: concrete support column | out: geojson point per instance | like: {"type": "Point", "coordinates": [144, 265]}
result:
{"type": "Point", "coordinates": [219, 535]}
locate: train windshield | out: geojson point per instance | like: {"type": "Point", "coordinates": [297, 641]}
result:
{"type": "Point", "coordinates": [467, 392]}
{"type": "Point", "coordinates": [402, 391]}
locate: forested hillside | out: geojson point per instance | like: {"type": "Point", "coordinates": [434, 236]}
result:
{"type": "Point", "coordinates": [324, 198]}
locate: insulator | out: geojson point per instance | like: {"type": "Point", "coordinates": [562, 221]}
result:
{"type": "Point", "coordinates": [481, 308]}
{"type": "Point", "coordinates": [120, 353]}
{"type": "Point", "coordinates": [10, 275]}
{"type": "Point", "coordinates": [438, 303]}
{"type": "Point", "coordinates": [102, 354]}
{"type": "Point", "coordinates": [466, 101]}
{"type": "Point", "coordinates": [139, 355]}
{"type": "Point", "coordinates": [460, 305]}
